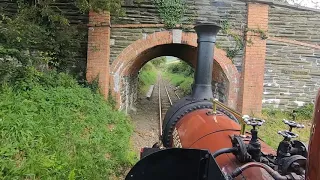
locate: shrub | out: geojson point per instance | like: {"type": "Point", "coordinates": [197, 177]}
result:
{"type": "Point", "coordinates": [181, 68]}
{"type": "Point", "coordinates": [56, 129]}
{"type": "Point", "coordinates": [181, 74]}
{"type": "Point", "coordinates": [186, 86]}
{"type": "Point", "coordinates": [37, 36]}
{"type": "Point", "coordinates": [158, 62]}
{"type": "Point", "coordinates": [147, 77]}
{"type": "Point", "coordinates": [305, 112]}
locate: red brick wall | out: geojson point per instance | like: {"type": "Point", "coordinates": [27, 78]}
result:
{"type": "Point", "coordinates": [252, 77]}
{"type": "Point", "coordinates": [99, 50]}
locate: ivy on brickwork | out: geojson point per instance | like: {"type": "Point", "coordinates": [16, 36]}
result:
{"type": "Point", "coordinates": [171, 11]}
{"type": "Point", "coordinates": [239, 39]}
{"type": "Point", "coordinates": [226, 29]}
{"type": "Point", "coordinates": [113, 6]}
{"type": "Point", "coordinates": [260, 32]}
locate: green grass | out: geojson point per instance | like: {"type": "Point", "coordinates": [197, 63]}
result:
{"type": "Point", "coordinates": [60, 130]}
{"type": "Point", "coordinates": [147, 77]}
{"type": "Point", "coordinates": [274, 123]}
{"type": "Point", "coordinates": [184, 82]}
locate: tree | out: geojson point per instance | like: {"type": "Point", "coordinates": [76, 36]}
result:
{"type": "Point", "coordinates": [113, 6]}
{"type": "Point", "coordinates": [159, 61]}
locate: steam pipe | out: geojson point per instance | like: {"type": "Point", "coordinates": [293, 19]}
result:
{"type": "Point", "coordinates": [203, 76]}
{"type": "Point", "coordinates": [223, 151]}
{"type": "Point", "coordinates": [272, 172]}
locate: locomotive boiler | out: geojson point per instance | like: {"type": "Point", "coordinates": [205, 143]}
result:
{"type": "Point", "coordinates": [205, 140]}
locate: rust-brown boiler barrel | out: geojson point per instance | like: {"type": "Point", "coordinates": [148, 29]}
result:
{"type": "Point", "coordinates": [200, 130]}
{"type": "Point", "coordinates": [313, 165]}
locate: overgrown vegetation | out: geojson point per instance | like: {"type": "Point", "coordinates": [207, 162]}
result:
{"type": "Point", "coordinates": [147, 77]}
{"type": "Point", "coordinates": [112, 6]}
{"type": "Point", "coordinates": [52, 128]}
{"type": "Point", "coordinates": [148, 73]}
{"type": "Point", "coordinates": [274, 123]}
{"type": "Point", "coordinates": [180, 74]}
{"type": "Point", "coordinates": [239, 39]}
{"type": "Point", "coordinates": [159, 62]}
{"type": "Point", "coordinates": [39, 37]}
{"type": "Point", "coordinates": [171, 11]}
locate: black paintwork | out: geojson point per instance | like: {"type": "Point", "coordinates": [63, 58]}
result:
{"type": "Point", "coordinates": [177, 164]}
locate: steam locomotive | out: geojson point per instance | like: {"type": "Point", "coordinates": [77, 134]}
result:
{"type": "Point", "coordinates": [205, 140]}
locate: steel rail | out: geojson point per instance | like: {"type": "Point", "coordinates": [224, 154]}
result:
{"type": "Point", "coordinates": [165, 87]}
{"type": "Point", "coordinates": [160, 109]}
{"type": "Point", "coordinates": [175, 92]}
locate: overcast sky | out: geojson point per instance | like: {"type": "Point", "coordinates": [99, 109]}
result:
{"type": "Point", "coordinates": [308, 3]}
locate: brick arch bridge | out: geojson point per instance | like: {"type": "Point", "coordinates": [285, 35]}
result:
{"type": "Point", "coordinates": [282, 71]}
{"type": "Point", "coordinates": [168, 43]}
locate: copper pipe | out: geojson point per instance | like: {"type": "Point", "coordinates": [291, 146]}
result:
{"type": "Point", "coordinates": [272, 172]}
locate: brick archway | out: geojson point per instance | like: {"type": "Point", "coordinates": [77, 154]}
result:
{"type": "Point", "coordinates": [166, 43]}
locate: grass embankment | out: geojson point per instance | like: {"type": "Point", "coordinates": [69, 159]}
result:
{"type": "Point", "coordinates": [147, 77]}
{"type": "Point", "coordinates": [274, 123]}
{"type": "Point", "coordinates": [180, 74]}
{"type": "Point", "coordinates": [52, 128]}
{"type": "Point", "coordinates": [184, 82]}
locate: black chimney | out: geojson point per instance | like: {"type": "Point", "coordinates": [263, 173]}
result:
{"type": "Point", "coordinates": [203, 76]}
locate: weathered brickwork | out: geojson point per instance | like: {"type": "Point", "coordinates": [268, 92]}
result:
{"type": "Point", "coordinates": [299, 25]}
{"type": "Point", "coordinates": [292, 75]}
{"type": "Point", "coordinates": [282, 71]}
{"type": "Point", "coordinates": [290, 30]}
{"type": "Point", "coordinates": [213, 11]}
{"type": "Point", "coordinates": [219, 91]}
{"type": "Point", "coordinates": [8, 6]}
{"type": "Point", "coordinates": [129, 92]}
{"type": "Point", "coordinates": [123, 37]}
{"type": "Point", "coordinates": [99, 50]}
{"type": "Point", "coordinates": [161, 44]}
{"type": "Point", "coordinates": [145, 12]}
{"type": "Point", "coordinates": [254, 60]}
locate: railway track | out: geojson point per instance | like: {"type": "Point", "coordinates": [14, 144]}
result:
{"type": "Point", "coordinates": [166, 100]}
